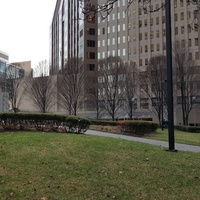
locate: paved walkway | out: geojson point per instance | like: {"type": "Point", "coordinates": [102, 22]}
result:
{"type": "Point", "coordinates": [179, 147]}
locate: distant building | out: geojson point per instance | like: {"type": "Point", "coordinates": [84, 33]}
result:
{"type": "Point", "coordinates": [26, 65]}
{"type": "Point", "coordinates": [4, 56]}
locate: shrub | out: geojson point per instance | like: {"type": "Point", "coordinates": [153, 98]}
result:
{"type": "Point", "coordinates": [42, 122]}
{"type": "Point", "coordinates": [193, 129]}
{"type": "Point", "coordinates": [129, 126]}
{"type": "Point", "coordinates": [138, 127]}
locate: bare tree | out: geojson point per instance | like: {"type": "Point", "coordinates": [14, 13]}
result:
{"type": "Point", "coordinates": [42, 88]}
{"type": "Point", "coordinates": [186, 79]}
{"type": "Point", "coordinates": [112, 84]}
{"type": "Point", "coordinates": [71, 85]}
{"type": "Point", "coordinates": [14, 81]}
{"type": "Point", "coordinates": [154, 85]}
{"type": "Point", "coordinates": [94, 94]}
{"type": "Point", "coordinates": [131, 85]}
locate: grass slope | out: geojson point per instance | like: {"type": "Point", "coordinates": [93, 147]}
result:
{"type": "Point", "coordinates": [66, 166]}
{"type": "Point", "coordinates": [180, 137]}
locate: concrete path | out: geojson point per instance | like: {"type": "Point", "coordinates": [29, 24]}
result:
{"type": "Point", "coordinates": [179, 147]}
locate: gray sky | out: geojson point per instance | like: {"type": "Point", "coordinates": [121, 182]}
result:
{"type": "Point", "coordinates": [24, 29]}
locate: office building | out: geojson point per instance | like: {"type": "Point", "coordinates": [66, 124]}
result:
{"type": "Point", "coordinates": [4, 56]}
{"type": "Point", "coordinates": [137, 32]}
{"type": "Point", "coordinates": [71, 35]}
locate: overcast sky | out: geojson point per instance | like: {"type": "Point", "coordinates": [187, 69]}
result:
{"type": "Point", "coordinates": [24, 29]}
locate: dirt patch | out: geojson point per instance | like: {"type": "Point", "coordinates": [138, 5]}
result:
{"type": "Point", "coordinates": [110, 129]}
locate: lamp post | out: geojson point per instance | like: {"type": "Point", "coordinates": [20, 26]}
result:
{"type": "Point", "coordinates": [169, 76]}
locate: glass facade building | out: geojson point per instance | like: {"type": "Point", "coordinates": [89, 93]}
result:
{"type": "Point", "coordinates": [71, 35]}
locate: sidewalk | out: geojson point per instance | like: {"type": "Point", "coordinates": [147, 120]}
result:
{"type": "Point", "coordinates": [179, 147]}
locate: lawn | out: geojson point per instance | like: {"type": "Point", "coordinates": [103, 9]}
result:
{"type": "Point", "coordinates": [180, 137]}
{"type": "Point", "coordinates": [58, 166]}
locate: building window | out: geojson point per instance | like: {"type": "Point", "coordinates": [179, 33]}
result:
{"type": "Point", "coordinates": [118, 15]}
{"type": "Point", "coordinates": [158, 47]}
{"type": "Point", "coordinates": [118, 52]}
{"type": "Point", "coordinates": [91, 55]}
{"type": "Point", "coordinates": [91, 43]}
{"type": "Point", "coordinates": [124, 52]}
{"type": "Point", "coordinates": [163, 19]}
{"type": "Point", "coordinates": [197, 55]}
{"type": "Point", "coordinates": [124, 27]}
{"type": "Point", "coordinates": [146, 36]}
{"type": "Point", "coordinates": [189, 42]}
{"type": "Point", "coordinates": [118, 40]}
{"type": "Point", "coordinates": [113, 16]}
{"type": "Point", "coordinates": [118, 27]}
{"type": "Point", "coordinates": [151, 22]}
{"type": "Point", "coordinates": [140, 36]}
{"type": "Point", "coordinates": [113, 29]}
{"type": "Point", "coordinates": [176, 30]}
{"type": "Point", "coordinates": [146, 61]}
{"type": "Point", "coordinates": [175, 17]}
{"type": "Point", "coordinates": [183, 43]}
{"type": "Point", "coordinates": [157, 33]}
{"type": "Point", "coordinates": [103, 31]}
{"type": "Point", "coordinates": [157, 20]}
{"type": "Point", "coordinates": [91, 31]}
{"type": "Point", "coordinates": [190, 56]}
{"type": "Point", "coordinates": [151, 35]}
{"type": "Point", "coordinates": [182, 16]}
{"type": "Point", "coordinates": [91, 67]}
{"type": "Point", "coordinates": [140, 62]}
{"type": "Point", "coordinates": [182, 29]}
{"type": "Point", "coordinates": [124, 39]}
{"type": "Point", "coordinates": [140, 49]}
{"type": "Point", "coordinates": [145, 22]}
{"type": "Point", "coordinates": [196, 42]}
{"type": "Point", "coordinates": [108, 29]}
{"type": "Point", "coordinates": [152, 47]}
{"type": "Point", "coordinates": [146, 48]}
{"type": "Point", "coordinates": [164, 33]}
{"type": "Point", "coordinates": [113, 41]}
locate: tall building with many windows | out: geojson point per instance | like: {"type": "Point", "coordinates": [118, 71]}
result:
{"type": "Point", "coordinates": [137, 32]}
{"type": "Point", "coordinates": [74, 35]}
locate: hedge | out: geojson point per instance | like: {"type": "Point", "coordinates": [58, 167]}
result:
{"type": "Point", "coordinates": [138, 127]}
{"type": "Point", "coordinates": [129, 126]}
{"type": "Point", "coordinates": [192, 129]}
{"type": "Point", "coordinates": [42, 122]}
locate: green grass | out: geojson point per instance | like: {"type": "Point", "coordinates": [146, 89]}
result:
{"type": "Point", "coordinates": [180, 137]}
{"type": "Point", "coordinates": [68, 166]}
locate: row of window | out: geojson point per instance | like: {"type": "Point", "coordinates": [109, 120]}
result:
{"type": "Point", "coordinates": [119, 52]}
{"type": "Point", "coordinates": [143, 62]}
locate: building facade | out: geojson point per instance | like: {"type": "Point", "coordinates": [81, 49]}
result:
{"type": "Point", "coordinates": [137, 32]}
{"type": "Point", "coordinates": [73, 35]}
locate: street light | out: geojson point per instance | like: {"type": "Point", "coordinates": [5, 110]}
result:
{"type": "Point", "coordinates": [169, 77]}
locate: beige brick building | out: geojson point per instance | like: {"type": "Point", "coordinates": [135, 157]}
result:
{"type": "Point", "coordinates": [137, 33]}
